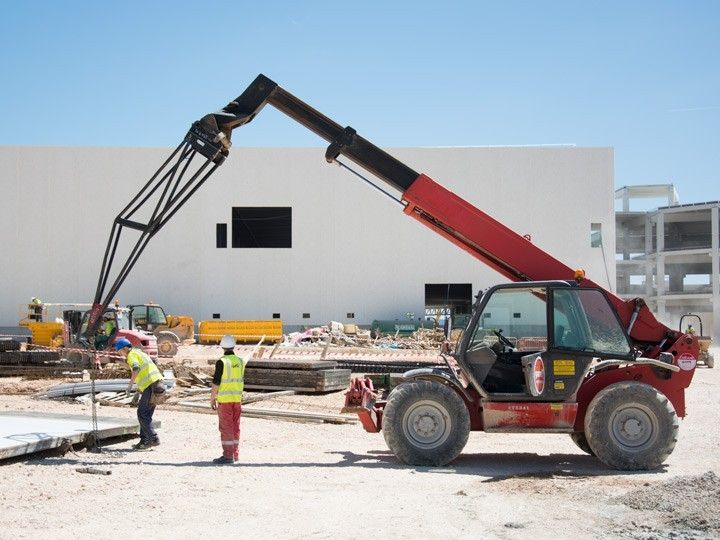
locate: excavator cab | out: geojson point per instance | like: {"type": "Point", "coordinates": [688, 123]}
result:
{"type": "Point", "coordinates": [147, 317]}
{"type": "Point", "coordinates": [536, 340]}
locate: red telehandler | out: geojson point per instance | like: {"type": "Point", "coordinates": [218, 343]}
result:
{"type": "Point", "coordinates": [551, 352]}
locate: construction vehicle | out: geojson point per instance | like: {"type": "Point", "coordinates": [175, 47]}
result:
{"type": "Point", "coordinates": [705, 356]}
{"type": "Point", "coordinates": [576, 359]}
{"type": "Point", "coordinates": [64, 326]}
{"type": "Point", "coordinates": [170, 330]}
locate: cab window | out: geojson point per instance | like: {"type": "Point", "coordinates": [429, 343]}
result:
{"type": "Point", "coordinates": [518, 314]}
{"type": "Point", "coordinates": [584, 320]}
{"type": "Point", "coordinates": [155, 316]}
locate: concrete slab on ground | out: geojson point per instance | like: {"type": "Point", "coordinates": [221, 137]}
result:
{"type": "Point", "coordinates": [23, 432]}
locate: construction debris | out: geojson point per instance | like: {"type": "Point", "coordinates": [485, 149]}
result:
{"type": "Point", "coordinates": [349, 335]}
{"type": "Point", "coordinates": [101, 386]}
{"type": "Point", "coordinates": [93, 470]}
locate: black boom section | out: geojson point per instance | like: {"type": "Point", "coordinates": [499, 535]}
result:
{"type": "Point", "coordinates": [343, 140]}
{"type": "Point", "coordinates": [203, 150]}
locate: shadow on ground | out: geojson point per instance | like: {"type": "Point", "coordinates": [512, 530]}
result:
{"type": "Point", "coordinates": [493, 467]}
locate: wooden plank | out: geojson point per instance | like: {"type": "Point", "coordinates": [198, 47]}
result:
{"type": "Point", "coordinates": [270, 395]}
{"type": "Point", "coordinates": [198, 379]}
{"type": "Point", "coordinates": [299, 363]}
{"type": "Point", "coordinates": [318, 380]}
{"type": "Point", "coordinates": [280, 413]}
{"type": "Point", "coordinates": [288, 363]}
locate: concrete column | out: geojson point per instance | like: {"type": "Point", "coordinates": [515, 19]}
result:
{"type": "Point", "coordinates": [649, 269]}
{"type": "Point", "coordinates": [676, 281]}
{"type": "Point", "coordinates": [660, 262]}
{"type": "Point", "coordinates": [660, 268]}
{"type": "Point", "coordinates": [715, 276]}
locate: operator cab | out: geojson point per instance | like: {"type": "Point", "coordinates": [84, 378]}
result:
{"type": "Point", "coordinates": [563, 325]}
{"type": "Point", "coordinates": [147, 317]}
{"type": "Point", "coordinates": [113, 319]}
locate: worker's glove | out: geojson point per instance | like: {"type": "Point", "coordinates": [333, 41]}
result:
{"type": "Point", "coordinates": [213, 404]}
{"type": "Point", "coordinates": [127, 391]}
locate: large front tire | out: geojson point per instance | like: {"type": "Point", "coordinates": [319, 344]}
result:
{"type": "Point", "coordinates": [631, 426]}
{"type": "Point", "coordinates": [425, 423]}
{"type": "Point", "coordinates": [709, 360]}
{"type": "Point", "coordinates": [167, 343]}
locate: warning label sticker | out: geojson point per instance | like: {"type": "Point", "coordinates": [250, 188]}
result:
{"type": "Point", "coordinates": [564, 367]}
{"type": "Point", "coordinates": [559, 385]}
{"type": "Point", "coordinates": [686, 362]}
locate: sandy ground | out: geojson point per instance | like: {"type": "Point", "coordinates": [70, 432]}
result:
{"type": "Point", "coordinates": [336, 481]}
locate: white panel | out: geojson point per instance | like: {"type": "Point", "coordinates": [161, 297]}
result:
{"type": "Point", "coordinates": [353, 249]}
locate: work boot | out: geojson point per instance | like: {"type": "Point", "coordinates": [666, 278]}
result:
{"type": "Point", "coordinates": [154, 442]}
{"type": "Point", "coordinates": [142, 445]}
{"type": "Point", "coordinates": [223, 460]}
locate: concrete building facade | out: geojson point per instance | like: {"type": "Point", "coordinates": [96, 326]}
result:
{"type": "Point", "coordinates": [343, 252]}
{"type": "Point", "coordinates": [670, 257]}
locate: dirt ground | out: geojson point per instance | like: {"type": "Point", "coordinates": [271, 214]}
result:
{"type": "Point", "coordinates": [300, 480]}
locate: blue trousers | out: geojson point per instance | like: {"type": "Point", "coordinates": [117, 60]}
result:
{"type": "Point", "coordinates": [144, 414]}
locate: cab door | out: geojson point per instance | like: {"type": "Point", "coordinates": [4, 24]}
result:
{"type": "Point", "coordinates": [582, 327]}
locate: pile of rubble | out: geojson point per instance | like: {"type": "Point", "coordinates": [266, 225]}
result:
{"type": "Point", "coordinates": [350, 335]}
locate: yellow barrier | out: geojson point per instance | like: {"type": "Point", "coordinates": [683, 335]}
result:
{"type": "Point", "coordinates": [211, 332]}
{"type": "Point", "coordinates": [43, 333]}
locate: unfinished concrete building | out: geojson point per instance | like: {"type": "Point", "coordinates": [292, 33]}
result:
{"type": "Point", "coordinates": [669, 255]}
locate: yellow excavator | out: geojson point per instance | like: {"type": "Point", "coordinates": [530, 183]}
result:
{"type": "Point", "coordinates": [171, 331]}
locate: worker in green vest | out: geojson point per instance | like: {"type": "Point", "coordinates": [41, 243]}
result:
{"type": "Point", "coordinates": [146, 375]}
{"type": "Point", "coordinates": [226, 398]}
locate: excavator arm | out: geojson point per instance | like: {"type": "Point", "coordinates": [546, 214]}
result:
{"type": "Point", "coordinates": [208, 143]}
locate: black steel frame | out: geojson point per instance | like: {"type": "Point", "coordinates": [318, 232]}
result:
{"type": "Point", "coordinates": [210, 137]}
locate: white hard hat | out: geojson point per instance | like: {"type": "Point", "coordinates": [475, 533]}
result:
{"type": "Point", "coordinates": [227, 342]}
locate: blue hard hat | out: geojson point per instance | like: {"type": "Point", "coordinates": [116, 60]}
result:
{"type": "Point", "coordinates": [122, 343]}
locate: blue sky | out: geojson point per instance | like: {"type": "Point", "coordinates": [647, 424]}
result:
{"type": "Point", "coordinates": [642, 77]}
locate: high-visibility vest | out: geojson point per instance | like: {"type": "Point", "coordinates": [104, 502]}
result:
{"type": "Point", "coordinates": [232, 381]}
{"type": "Point", "coordinates": [148, 374]}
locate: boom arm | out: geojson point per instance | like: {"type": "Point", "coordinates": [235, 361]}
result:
{"type": "Point", "coordinates": [485, 238]}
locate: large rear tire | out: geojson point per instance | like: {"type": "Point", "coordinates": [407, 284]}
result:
{"type": "Point", "coordinates": [631, 426]}
{"type": "Point", "coordinates": [167, 344]}
{"type": "Point", "coordinates": [425, 423]}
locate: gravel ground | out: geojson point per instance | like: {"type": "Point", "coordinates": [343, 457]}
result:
{"type": "Point", "coordinates": [325, 481]}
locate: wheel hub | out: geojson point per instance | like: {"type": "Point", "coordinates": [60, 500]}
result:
{"type": "Point", "coordinates": [427, 424]}
{"type": "Point", "coordinates": [634, 427]}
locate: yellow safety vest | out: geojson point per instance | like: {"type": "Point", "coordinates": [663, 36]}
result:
{"type": "Point", "coordinates": [232, 381]}
{"type": "Point", "coordinates": [148, 374]}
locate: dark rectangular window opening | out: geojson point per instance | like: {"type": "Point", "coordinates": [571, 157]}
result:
{"type": "Point", "coordinates": [221, 235]}
{"type": "Point", "coordinates": [262, 227]}
{"type": "Point", "coordinates": [216, 315]}
{"type": "Point", "coordinates": [443, 299]}
{"type": "Point", "coordinates": [276, 315]}
{"type": "Point", "coordinates": [306, 315]}
{"type": "Point", "coordinates": [516, 315]}
{"type": "Point", "coordinates": [350, 315]}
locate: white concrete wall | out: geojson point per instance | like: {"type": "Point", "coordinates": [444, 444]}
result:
{"type": "Point", "coordinates": [353, 249]}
